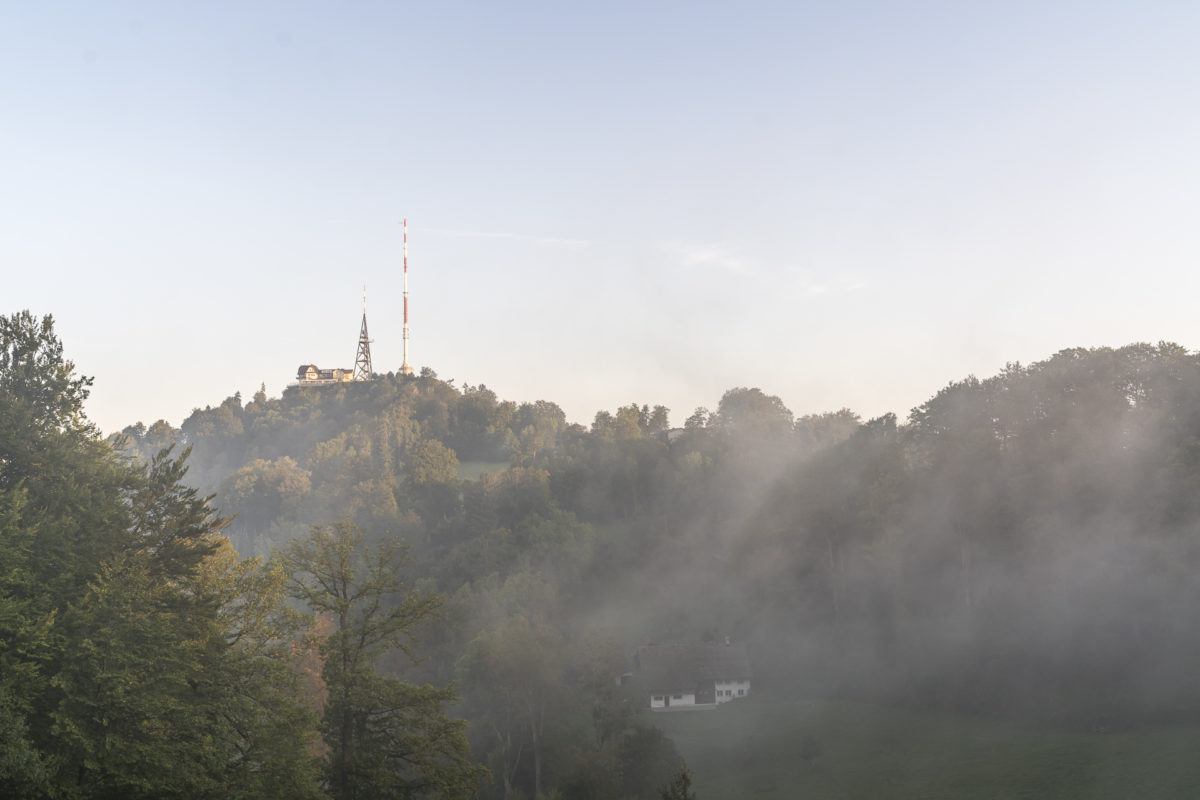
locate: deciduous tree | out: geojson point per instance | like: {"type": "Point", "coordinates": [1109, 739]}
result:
{"type": "Point", "coordinates": [387, 738]}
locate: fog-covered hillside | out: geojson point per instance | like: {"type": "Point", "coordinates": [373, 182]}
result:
{"type": "Point", "coordinates": [1020, 547]}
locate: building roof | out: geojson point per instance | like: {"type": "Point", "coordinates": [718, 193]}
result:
{"type": "Point", "coordinates": [675, 668]}
{"type": "Point", "coordinates": [304, 368]}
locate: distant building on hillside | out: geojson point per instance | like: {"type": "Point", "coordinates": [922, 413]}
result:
{"type": "Point", "coordinates": [692, 676]}
{"type": "Point", "coordinates": [312, 375]}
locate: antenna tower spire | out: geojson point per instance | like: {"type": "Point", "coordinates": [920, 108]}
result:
{"type": "Point", "coordinates": [362, 361]}
{"type": "Point", "coordinates": [405, 368]}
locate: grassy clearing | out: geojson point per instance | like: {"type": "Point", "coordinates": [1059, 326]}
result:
{"type": "Point", "coordinates": [471, 470]}
{"type": "Point", "coordinates": [765, 748]}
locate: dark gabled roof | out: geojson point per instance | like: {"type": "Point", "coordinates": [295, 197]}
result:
{"type": "Point", "coordinates": [675, 668]}
{"type": "Point", "coordinates": [304, 368]}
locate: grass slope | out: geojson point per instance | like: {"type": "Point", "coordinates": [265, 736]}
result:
{"type": "Point", "coordinates": [761, 747]}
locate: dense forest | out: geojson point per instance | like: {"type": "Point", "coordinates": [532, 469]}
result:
{"type": "Point", "coordinates": [408, 588]}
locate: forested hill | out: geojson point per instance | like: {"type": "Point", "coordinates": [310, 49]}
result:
{"type": "Point", "coordinates": [1025, 541]}
{"type": "Point", "coordinates": [1024, 545]}
{"type": "Point", "coordinates": [399, 454]}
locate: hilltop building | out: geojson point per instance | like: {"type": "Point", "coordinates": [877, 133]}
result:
{"type": "Point", "coordinates": [312, 375]}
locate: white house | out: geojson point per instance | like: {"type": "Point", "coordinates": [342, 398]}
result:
{"type": "Point", "coordinates": [696, 676]}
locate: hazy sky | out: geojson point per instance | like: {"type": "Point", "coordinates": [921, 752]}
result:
{"type": "Point", "coordinates": [843, 203]}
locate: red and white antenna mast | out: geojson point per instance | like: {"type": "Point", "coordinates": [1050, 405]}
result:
{"type": "Point", "coordinates": [406, 368]}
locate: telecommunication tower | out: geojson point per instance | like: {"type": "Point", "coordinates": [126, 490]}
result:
{"type": "Point", "coordinates": [405, 368]}
{"type": "Point", "coordinates": [362, 361]}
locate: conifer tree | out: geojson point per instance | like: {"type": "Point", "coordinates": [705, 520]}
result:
{"type": "Point", "coordinates": [127, 667]}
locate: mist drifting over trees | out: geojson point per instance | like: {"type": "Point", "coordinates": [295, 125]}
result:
{"type": "Point", "coordinates": [1020, 547]}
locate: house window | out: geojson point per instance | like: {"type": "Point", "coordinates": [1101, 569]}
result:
{"type": "Point", "coordinates": [741, 692]}
{"type": "Point", "coordinates": [676, 697]}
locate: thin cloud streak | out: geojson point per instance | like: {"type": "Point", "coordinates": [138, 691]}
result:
{"type": "Point", "coordinates": [519, 237]}
{"type": "Point", "coordinates": [717, 255]}
{"type": "Point", "coordinates": [727, 258]}
{"type": "Point", "coordinates": [845, 286]}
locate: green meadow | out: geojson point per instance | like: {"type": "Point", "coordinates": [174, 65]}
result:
{"type": "Point", "coordinates": [767, 748]}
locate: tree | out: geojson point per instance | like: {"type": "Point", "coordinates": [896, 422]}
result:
{"type": "Point", "coordinates": [647, 760]}
{"type": "Point", "coordinates": [431, 463]}
{"type": "Point", "coordinates": [819, 431]}
{"type": "Point", "coordinates": [271, 722]}
{"type": "Point", "coordinates": [262, 491]}
{"type": "Point", "coordinates": [120, 675]}
{"type": "Point", "coordinates": [179, 677]}
{"type": "Point", "coordinates": [386, 738]}
{"type": "Point", "coordinates": [24, 648]}
{"type": "Point", "coordinates": [432, 477]}
{"type": "Point", "coordinates": [659, 420]}
{"type": "Point", "coordinates": [680, 787]}
{"type": "Point", "coordinates": [132, 721]}
{"type": "Point", "coordinates": [36, 382]}
{"type": "Point", "coordinates": [628, 423]}
{"type": "Point", "coordinates": [64, 508]}
{"type": "Point", "coordinates": [516, 673]}
{"type": "Point", "coordinates": [536, 426]}
{"type": "Point", "coordinates": [750, 412]}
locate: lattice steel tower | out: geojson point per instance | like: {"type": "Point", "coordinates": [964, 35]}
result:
{"type": "Point", "coordinates": [362, 361]}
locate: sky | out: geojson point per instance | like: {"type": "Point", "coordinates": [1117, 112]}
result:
{"type": "Point", "coordinates": [844, 204]}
